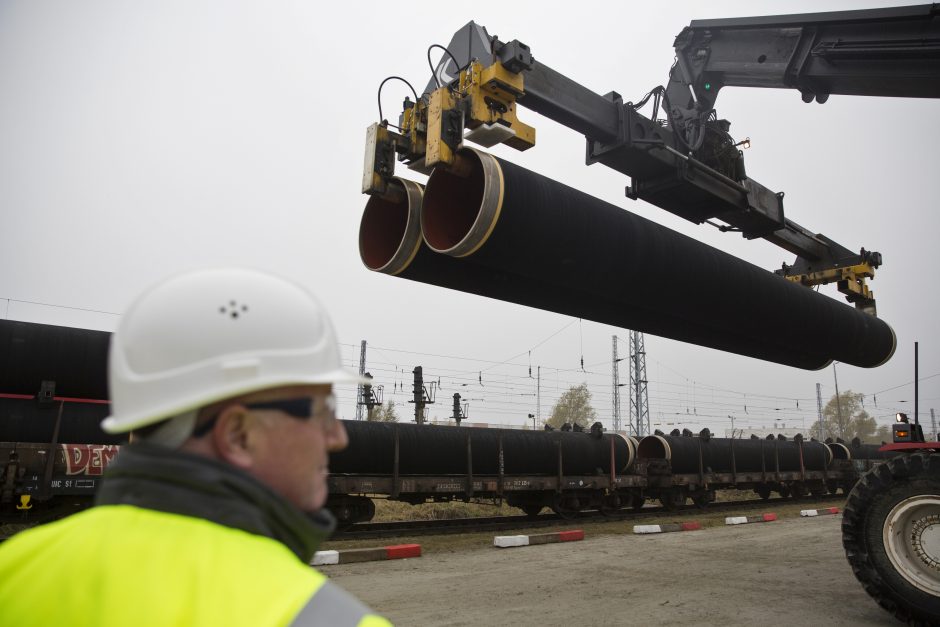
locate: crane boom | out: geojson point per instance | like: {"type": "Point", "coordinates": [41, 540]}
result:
{"type": "Point", "coordinates": [684, 161]}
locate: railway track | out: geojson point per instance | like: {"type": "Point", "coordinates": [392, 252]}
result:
{"type": "Point", "coordinates": [368, 531]}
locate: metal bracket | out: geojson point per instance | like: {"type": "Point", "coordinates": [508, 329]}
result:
{"type": "Point", "coordinates": [850, 280]}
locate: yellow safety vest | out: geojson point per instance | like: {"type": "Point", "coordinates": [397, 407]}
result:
{"type": "Point", "coordinates": [122, 565]}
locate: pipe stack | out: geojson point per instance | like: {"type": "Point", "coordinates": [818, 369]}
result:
{"type": "Point", "coordinates": [446, 450]}
{"type": "Point", "coordinates": [492, 228]}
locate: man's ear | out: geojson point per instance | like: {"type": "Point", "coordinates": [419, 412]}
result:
{"type": "Point", "coordinates": [231, 436]}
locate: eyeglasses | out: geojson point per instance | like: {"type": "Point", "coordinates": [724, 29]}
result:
{"type": "Point", "coordinates": [301, 408]}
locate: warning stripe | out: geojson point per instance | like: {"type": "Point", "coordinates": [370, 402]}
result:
{"type": "Point", "coordinates": [668, 528]}
{"type": "Point", "coordinates": [505, 542]}
{"type": "Point", "coordinates": [392, 552]}
{"type": "Point", "coordinates": [820, 512]}
{"type": "Point", "coordinates": [742, 520]}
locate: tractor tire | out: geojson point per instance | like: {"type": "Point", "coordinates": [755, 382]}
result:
{"type": "Point", "coordinates": [891, 535]}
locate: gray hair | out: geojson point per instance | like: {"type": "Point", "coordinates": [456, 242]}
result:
{"type": "Point", "coordinates": [172, 432]}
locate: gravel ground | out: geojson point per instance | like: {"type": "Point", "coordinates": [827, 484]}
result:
{"type": "Point", "coordinates": [789, 572]}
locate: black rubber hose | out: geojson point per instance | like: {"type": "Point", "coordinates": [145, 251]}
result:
{"type": "Point", "coordinates": [510, 219]}
{"type": "Point", "coordinates": [390, 242]}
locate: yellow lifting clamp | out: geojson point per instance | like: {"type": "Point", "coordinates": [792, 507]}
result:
{"type": "Point", "coordinates": [492, 93]}
{"type": "Point", "coordinates": [24, 503]}
{"type": "Point", "coordinates": [850, 280]}
{"type": "Point", "coordinates": [483, 102]}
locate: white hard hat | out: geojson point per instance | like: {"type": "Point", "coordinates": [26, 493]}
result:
{"type": "Point", "coordinates": [209, 335]}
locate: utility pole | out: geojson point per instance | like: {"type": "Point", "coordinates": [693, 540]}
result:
{"type": "Point", "coordinates": [369, 397]}
{"type": "Point", "coordinates": [933, 424]}
{"type": "Point", "coordinates": [420, 395]}
{"type": "Point", "coordinates": [916, 386]}
{"type": "Point", "coordinates": [459, 414]}
{"type": "Point", "coordinates": [838, 403]}
{"type": "Point", "coordinates": [361, 401]}
{"type": "Point", "coordinates": [616, 394]}
{"type": "Point", "coordinates": [639, 401]}
{"type": "Point", "coordinates": [538, 393]}
{"type": "Point", "coordinates": [819, 413]}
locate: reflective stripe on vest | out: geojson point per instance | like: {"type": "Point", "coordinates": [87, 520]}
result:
{"type": "Point", "coordinates": [331, 605]}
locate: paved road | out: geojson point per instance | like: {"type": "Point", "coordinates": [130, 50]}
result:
{"type": "Point", "coordinates": [790, 572]}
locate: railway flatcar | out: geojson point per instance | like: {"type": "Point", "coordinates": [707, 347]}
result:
{"type": "Point", "coordinates": [53, 396]}
{"type": "Point", "coordinates": [565, 470]}
{"type": "Point", "coordinates": [570, 472]}
{"type": "Point", "coordinates": [695, 466]}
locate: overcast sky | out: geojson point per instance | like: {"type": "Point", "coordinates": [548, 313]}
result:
{"type": "Point", "coordinates": [142, 139]}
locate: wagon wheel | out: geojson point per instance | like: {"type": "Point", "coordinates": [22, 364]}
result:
{"type": "Point", "coordinates": [702, 500]}
{"type": "Point", "coordinates": [673, 499]}
{"type": "Point", "coordinates": [613, 503]}
{"type": "Point", "coordinates": [763, 492]}
{"type": "Point", "coordinates": [638, 503]}
{"type": "Point", "coordinates": [565, 506]}
{"type": "Point", "coordinates": [531, 509]}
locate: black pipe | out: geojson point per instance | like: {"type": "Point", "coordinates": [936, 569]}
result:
{"type": "Point", "coordinates": [25, 420]}
{"type": "Point", "coordinates": [869, 451]}
{"type": "Point", "coordinates": [442, 450]}
{"type": "Point", "coordinates": [513, 220]}
{"type": "Point", "coordinates": [390, 242]}
{"type": "Point", "coordinates": [683, 454]}
{"type": "Point", "coordinates": [839, 450]}
{"type": "Point", "coordinates": [76, 359]}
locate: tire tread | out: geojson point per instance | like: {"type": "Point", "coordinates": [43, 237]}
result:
{"type": "Point", "coordinates": [872, 483]}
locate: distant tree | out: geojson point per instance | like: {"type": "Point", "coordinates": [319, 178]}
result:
{"type": "Point", "coordinates": [883, 434]}
{"type": "Point", "coordinates": [574, 407]}
{"type": "Point", "coordinates": [384, 413]}
{"type": "Point", "coordinates": [846, 418]}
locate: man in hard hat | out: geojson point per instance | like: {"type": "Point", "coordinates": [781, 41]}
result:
{"type": "Point", "coordinates": [212, 514]}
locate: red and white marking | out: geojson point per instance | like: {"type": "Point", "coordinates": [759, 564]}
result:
{"type": "Point", "coordinates": [505, 542]}
{"type": "Point", "coordinates": [667, 528]}
{"type": "Point", "coordinates": [819, 512]}
{"type": "Point", "coordinates": [393, 552]}
{"type": "Point", "coordinates": [743, 520]}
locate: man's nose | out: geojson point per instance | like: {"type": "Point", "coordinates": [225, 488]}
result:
{"type": "Point", "coordinates": [337, 438]}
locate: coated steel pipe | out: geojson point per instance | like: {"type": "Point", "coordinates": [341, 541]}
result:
{"type": "Point", "coordinates": [76, 359]}
{"type": "Point", "coordinates": [513, 220]}
{"type": "Point", "coordinates": [839, 450]}
{"type": "Point", "coordinates": [25, 420]}
{"type": "Point", "coordinates": [390, 241]}
{"type": "Point", "coordinates": [445, 450]}
{"type": "Point", "coordinates": [727, 455]}
{"type": "Point", "coordinates": [870, 451]}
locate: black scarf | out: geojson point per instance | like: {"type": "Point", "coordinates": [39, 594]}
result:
{"type": "Point", "coordinates": [154, 477]}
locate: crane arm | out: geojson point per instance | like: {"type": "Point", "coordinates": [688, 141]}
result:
{"type": "Point", "coordinates": [686, 161]}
